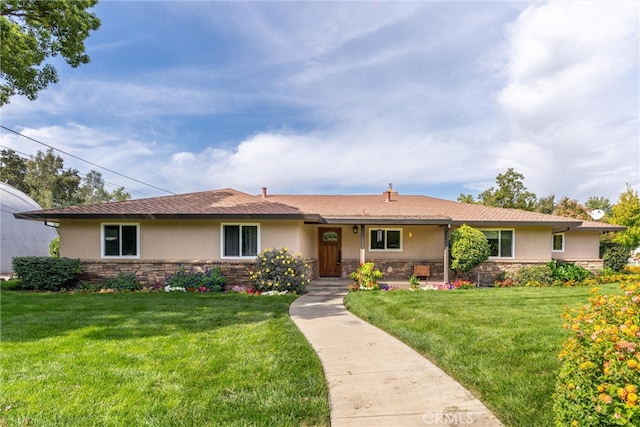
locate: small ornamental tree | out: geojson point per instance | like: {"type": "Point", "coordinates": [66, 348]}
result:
{"type": "Point", "coordinates": [279, 270]}
{"type": "Point", "coordinates": [468, 248]}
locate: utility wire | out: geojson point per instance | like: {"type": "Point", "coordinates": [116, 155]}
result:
{"type": "Point", "coordinates": [107, 183]}
{"type": "Point", "coordinates": [86, 161]}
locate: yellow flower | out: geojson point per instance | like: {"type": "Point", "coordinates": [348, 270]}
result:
{"type": "Point", "coordinates": [586, 365]}
{"type": "Point", "coordinates": [632, 363]}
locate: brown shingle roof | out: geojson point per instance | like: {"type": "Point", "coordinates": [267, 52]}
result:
{"type": "Point", "coordinates": [218, 203]}
{"type": "Point", "coordinates": [346, 209]}
{"type": "Point", "coordinates": [372, 209]}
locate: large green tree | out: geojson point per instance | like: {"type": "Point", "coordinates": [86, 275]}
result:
{"type": "Point", "coordinates": [32, 31]}
{"type": "Point", "coordinates": [49, 184]}
{"type": "Point", "coordinates": [511, 192]}
{"type": "Point", "coordinates": [546, 204]}
{"type": "Point", "coordinates": [570, 208]}
{"type": "Point", "coordinates": [13, 169]}
{"type": "Point", "coordinates": [627, 212]}
{"type": "Point", "coordinates": [92, 190]}
{"type": "Point", "coordinates": [44, 179]}
{"type": "Point", "coordinates": [599, 202]}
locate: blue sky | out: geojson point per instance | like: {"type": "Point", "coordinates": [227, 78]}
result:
{"type": "Point", "coordinates": [345, 97]}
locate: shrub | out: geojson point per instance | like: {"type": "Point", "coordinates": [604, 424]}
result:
{"type": "Point", "coordinates": [124, 282]}
{"type": "Point", "coordinates": [614, 255]}
{"type": "Point", "coordinates": [414, 282]}
{"type": "Point", "coordinates": [568, 272]}
{"type": "Point", "coordinates": [279, 270]}
{"type": "Point", "coordinates": [54, 247]}
{"type": "Point", "coordinates": [46, 273]}
{"type": "Point", "coordinates": [599, 376]}
{"type": "Point", "coordinates": [469, 248]}
{"type": "Point", "coordinates": [541, 274]}
{"type": "Point", "coordinates": [211, 280]}
{"type": "Point", "coordinates": [366, 276]}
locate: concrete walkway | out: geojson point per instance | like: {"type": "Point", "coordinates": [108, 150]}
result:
{"type": "Point", "coordinates": [374, 379]}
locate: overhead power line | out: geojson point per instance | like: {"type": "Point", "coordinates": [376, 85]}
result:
{"type": "Point", "coordinates": [106, 183]}
{"type": "Point", "coordinates": [86, 161]}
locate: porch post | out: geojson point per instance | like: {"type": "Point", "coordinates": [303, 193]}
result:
{"type": "Point", "coordinates": [362, 242]}
{"type": "Point", "coordinates": [446, 253]}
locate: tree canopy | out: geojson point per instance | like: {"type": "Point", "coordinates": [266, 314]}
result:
{"type": "Point", "coordinates": [33, 30]}
{"type": "Point", "coordinates": [570, 208]}
{"type": "Point", "coordinates": [45, 180]}
{"type": "Point", "coordinates": [510, 193]}
{"type": "Point", "coordinates": [627, 213]}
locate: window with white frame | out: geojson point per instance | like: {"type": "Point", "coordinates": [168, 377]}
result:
{"type": "Point", "coordinates": [557, 242]}
{"type": "Point", "coordinates": [385, 239]}
{"type": "Point", "coordinates": [501, 243]}
{"type": "Point", "coordinates": [240, 240]}
{"type": "Point", "coordinates": [120, 240]}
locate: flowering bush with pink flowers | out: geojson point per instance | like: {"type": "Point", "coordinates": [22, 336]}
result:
{"type": "Point", "coordinates": [599, 378]}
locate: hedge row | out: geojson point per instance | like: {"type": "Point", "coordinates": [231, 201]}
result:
{"type": "Point", "coordinates": [47, 273]}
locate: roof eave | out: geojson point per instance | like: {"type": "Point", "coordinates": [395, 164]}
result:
{"type": "Point", "coordinates": [607, 227]}
{"type": "Point", "coordinates": [35, 216]}
{"type": "Point", "coordinates": [503, 223]}
{"type": "Point", "coordinates": [388, 221]}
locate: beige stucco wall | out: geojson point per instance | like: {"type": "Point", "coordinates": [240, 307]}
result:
{"type": "Point", "coordinates": [580, 245]}
{"type": "Point", "coordinates": [281, 234]}
{"type": "Point", "coordinates": [418, 241]}
{"type": "Point", "coordinates": [533, 244]}
{"type": "Point", "coordinates": [173, 239]}
{"type": "Point", "coordinates": [200, 239]}
{"type": "Point", "coordinates": [164, 239]}
{"type": "Point", "coordinates": [80, 239]}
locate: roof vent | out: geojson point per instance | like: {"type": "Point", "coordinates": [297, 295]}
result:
{"type": "Point", "coordinates": [264, 192]}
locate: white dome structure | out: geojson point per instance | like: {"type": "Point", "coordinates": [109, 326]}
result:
{"type": "Point", "coordinates": [19, 237]}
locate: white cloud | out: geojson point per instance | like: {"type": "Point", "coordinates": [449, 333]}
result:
{"type": "Point", "coordinates": [350, 96]}
{"type": "Point", "coordinates": [572, 97]}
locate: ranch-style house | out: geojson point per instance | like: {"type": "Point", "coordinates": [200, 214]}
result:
{"type": "Point", "coordinates": [401, 234]}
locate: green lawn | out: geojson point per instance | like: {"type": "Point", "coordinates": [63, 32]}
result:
{"type": "Point", "coordinates": [156, 359]}
{"type": "Point", "coordinates": [502, 344]}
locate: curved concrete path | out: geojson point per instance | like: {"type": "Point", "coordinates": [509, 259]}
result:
{"type": "Point", "coordinates": [373, 378]}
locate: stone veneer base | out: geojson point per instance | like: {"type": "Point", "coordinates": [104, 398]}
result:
{"type": "Point", "coordinates": [155, 272]}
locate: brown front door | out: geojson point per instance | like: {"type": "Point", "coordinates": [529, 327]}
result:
{"type": "Point", "coordinates": [329, 256]}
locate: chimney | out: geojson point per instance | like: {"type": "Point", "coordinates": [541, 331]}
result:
{"type": "Point", "coordinates": [387, 194]}
{"type": "Point", "coordinates": [264, 192]}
